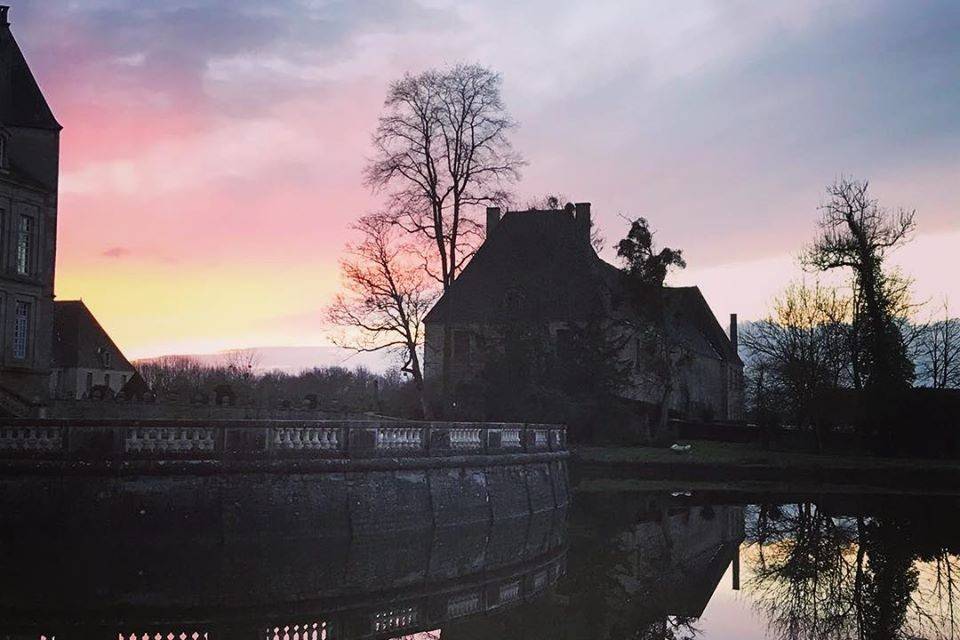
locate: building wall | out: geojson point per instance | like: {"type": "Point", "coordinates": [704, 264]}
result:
{"type": "Point", "coordinates": [707, 386]}
{"type": "Point", "coordinates": [74, 383]}
{"type": "Point", "coordinates": [28, 376]}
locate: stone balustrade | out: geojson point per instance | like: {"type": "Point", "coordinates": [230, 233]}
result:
{"type": "Point", "coordinates": [466, 439]}
{"type": "Point", "coordinates": [393, 619]}
{"type": "Point", "coordinates": [30, 438]}
{"type": "Point", "coordinates": [392, 438]}
{"type": "Point", "coordinates": [118, 440]}
{"type": "Point", "coordinates": [169, 439]}
{"type": "Point", "coordinates": [310, 438]}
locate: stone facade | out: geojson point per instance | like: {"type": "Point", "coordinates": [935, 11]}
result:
{"type": "Point", "coordinates": [538, 270]}
{"type": "Point", "coordinates": [29, 159]}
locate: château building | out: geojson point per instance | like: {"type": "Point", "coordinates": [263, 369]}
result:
{"type": "Point", "coordinates": [538, 271]}
{"type": "Point", "coordinates": [29, 159]}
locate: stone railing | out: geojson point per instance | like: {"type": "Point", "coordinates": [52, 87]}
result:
{"type": "Point", "coordinates": [119, 441]}
{"type": "Point", "coordinates": [30, 438]}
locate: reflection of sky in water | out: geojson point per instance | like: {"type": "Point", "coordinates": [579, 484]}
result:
{"type": "Point", "coordinates": [650, 566]}
{"type": "Point", "coordinates": [781, 573]}
{"type": "Point", "coordinates": [732, 615]}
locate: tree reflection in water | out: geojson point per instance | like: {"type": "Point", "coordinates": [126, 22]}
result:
{"type": "Point", "coordinates": [818, 573]}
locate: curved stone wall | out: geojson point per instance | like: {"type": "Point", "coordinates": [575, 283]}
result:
{"type": "Point", "coordinates": [371, 586]}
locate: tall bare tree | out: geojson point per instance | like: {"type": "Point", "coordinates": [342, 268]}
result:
{"type": "Point", "coordinates": [856, 233]}
{"type": "Point", "coordinates": [442, 149]}
{"type": "Point", "coordinates": [386, 295]}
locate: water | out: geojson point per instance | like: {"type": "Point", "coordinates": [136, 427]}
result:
{"type": "Point", "coordinates": [625, 561]}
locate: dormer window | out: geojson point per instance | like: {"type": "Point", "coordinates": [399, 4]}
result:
{"type": "Point", "coordinates": [103, 354]}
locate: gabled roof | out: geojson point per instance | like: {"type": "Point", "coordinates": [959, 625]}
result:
{"type": "Point", "coordinates": [80, 341]}
{"type": "Point", "coordinates": [21, 102]}
{"type": "Point", "coordinates": [539, 266]}
{"type": "Point", "coordinates": [697, 324]}
{"type": "Point", "coordinates": [533, 266]}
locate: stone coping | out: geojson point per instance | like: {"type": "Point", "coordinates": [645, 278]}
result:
{"type": "Point", "coordinates": [116, 442]}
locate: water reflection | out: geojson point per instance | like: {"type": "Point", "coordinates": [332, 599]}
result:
{"type": "Point", "coordinates": [835, 571]}
{"type": "Point", "coordinates": [639, 565]}
{"type": "Point", "coordinates": [404, 584]}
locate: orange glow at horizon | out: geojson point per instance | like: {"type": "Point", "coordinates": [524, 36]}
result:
{"type": "Point", "coordinates": [153, 311]}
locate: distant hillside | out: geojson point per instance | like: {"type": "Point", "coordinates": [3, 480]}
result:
{"type": "Point", "coordinates": [295, 359]}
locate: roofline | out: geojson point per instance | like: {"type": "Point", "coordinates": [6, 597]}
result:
{"type": "Point", "coordinates": [99, 326]}
{"type": "Point", "coordinates": [43, 96]}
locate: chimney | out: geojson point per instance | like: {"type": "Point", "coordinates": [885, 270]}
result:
{"type": "Point", "coordinates": [733, 331]}
{"type": "Point", "coordinates": [493, 217]}
{"type": "Point", "coordinates": [582, 216]}
{"type": "Point", "coordinates": [3, 15]}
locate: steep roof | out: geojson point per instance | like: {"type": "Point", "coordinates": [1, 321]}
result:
{"type": "Point", "coordinates": [21, 102]}
{"type": "Point", "coordinates": [533, 266]}
{"type": "Point", "coordinates": [540, 266]}
{"type": "Point", "coordinates": [80, 341]}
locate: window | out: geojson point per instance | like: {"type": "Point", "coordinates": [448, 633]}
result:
{"type": "Point", "coordinates": [123, 381]}
{"type": "Point", "coordinates": [21, 330]}
{"type": "Point", "coordinates": [24, 248]}
{"type": "Point", "coordinates": [106, 379]}
{"type": "Point", "coordinates": [89, 380]}
{"type": "Point", "coordinates": [3, 151]}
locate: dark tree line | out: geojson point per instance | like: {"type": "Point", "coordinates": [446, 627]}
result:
{"type": "Point", "coordinates": [181, 379]}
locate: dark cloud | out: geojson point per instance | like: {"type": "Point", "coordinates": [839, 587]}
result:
{"type": "Point", "coordinates": [164, 49]}
{"type": "Point", "coordinates": [115, 252]}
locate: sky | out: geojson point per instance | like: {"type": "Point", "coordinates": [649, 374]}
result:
{"type": "Point", "coordinates": [212, 151]}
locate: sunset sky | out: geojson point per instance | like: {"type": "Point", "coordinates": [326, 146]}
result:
{"type": "Point", "coordinates": [212, 150]}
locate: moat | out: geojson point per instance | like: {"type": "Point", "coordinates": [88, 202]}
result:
{"type": "Point", "coordinates": [618, 561]}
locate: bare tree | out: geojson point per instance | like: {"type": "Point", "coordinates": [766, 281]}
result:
{"type": "Point", "coordinates": [386, 295]}
{"type": "Point", "coordinates": [801, 350]}
{"type": "Point", "coordinates": [937, 352]}
{"type": "Point", "coordinates": [172, 374]}
{"type": "Point", "coordinates": [441, 151]}
{"type": "Point", "coordinates": [856, 233]}
{"type": "Point", "coordinates": [241, 364]}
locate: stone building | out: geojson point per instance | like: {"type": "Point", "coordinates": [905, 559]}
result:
{"type": "Point", "coordinates": [29, 159]}
{"type": "Point", "coordinates": [84, 355]}
{"type": "Point", "coordinates": [539, 269]}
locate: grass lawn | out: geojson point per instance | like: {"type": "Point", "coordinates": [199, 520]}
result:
{"type": "Point", "coordinates": [728, 454]}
